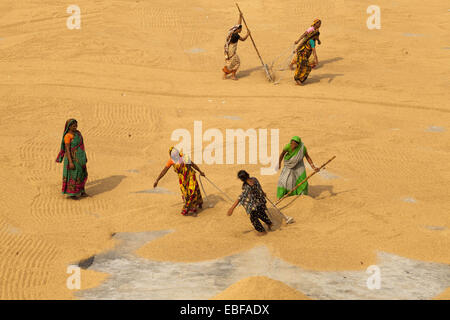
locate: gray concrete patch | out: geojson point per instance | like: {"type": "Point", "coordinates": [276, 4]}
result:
{"type": "Point", "coordinates": [435, 129]}
{"type": "Point", "coordinates": [133, 171]}
{"type": "Point", "coordinates": [133, 277]}
{"type": "Point", "coordinates": [327, 175]}
{"type": "Point", "coordinates": [195, 50]}
{"type": "Point", "coordinates": [231, 117]}
{"type": "Point", "coordinates": [413, 34]}
{"type": "Point", "coordinates": [409, 200]}
{"type": "Point", "coordinates": [94, 214]}
{"type": "Point", "coordinates": [435, 228]}
{"type": "Point", "coordinates": [12, 230]}
{"type": "Point", "coordinates": [156, 190]}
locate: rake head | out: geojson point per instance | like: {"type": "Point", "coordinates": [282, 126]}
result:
{"type": "Point", "coordinates": [290, 220]}
{"type": "Point", "coordinates": [268, 75]}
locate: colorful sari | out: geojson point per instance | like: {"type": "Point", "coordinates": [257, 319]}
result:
{"type": "Point", "coordinates": [303, 53]}
{"type": "Point", "coordinates": [75, 179]}
{"type": "Point", "coordinates": [293, 171]}
{"type": "Point", "coordinates": [189, 187]}
{"type": "Point", "coordinates": [309, 30]}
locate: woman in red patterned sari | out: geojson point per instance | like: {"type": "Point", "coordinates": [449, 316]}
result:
{"type": "Point", "coordinates": [190, 190]}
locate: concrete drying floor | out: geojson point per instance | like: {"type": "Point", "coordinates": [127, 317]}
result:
{"type": "Point", "coordinates": [133, 277]}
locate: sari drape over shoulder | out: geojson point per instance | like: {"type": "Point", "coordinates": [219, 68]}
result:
{"type": "Point", "coordinates": [74, 180]}
{"type": "Point", "coordinates": [293, 172]}
{"type": "Point", "coordinates": [303, 53]}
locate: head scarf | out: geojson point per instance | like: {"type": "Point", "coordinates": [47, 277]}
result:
{"type": "Point", "coordinates": [230, 33]}
{"type": "Point", "coordinates": [315, 21]}
{"type": "Point", "coordinates": [290, 153]}
{"type": "Point", "coordinates": [297, 139]}
{"type": "Point", "coordinates": [182, 158]}
{"type": "Point", "coordinates": [62, 150]}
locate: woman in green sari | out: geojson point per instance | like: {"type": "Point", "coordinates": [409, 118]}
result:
{"type": "Point", "coordinates": [74, 156]}
{"type": "Point", "coordinates": [294, 169]}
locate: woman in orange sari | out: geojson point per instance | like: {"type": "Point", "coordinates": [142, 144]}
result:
{"type": "Point", "coordinates": [190, 190]}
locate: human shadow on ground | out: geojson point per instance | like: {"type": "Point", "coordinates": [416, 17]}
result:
{"type": "Point", "coordinates": [315, 78]}
{"type": "Point", "coordinates": [99, 186]}
{"type": "Point", "coordinates": [314, 192]}
{"type": "Point", "coordinates": [247, 72]}
{"type": "Point", "coordinates": [207, 203]}
{"type": "Point", "coordinates": [327, 61]}
{"type": "Point", "coordinates": [211, 201]}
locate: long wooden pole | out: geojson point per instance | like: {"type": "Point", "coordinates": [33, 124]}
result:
{"type": "Point", "coordinates": [254, 45]}
{"type": "Point", "coordinates": [306, 179]}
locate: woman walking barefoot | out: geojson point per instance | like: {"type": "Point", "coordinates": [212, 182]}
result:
{"type": "Point", "coordinates": [294, 170]}
{"type": "Point", "coordinates": [74, 155]}
{"type": "Point", "coordinates": [190, 190]}
{"type": "Point", "coordinates": [304, 51]}
{"type": "Point", "coordinates": [253, 199]}
{"type": "Point", "coordinates": [232, 61]}
{"type": "Point", "coordinates": [314, 27]}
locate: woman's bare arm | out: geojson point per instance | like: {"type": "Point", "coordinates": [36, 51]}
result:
{"type": "Point", "coordinates": [230, 211]}
{"type": "Point", "coordinates": [301, 37]}
{"type": "Point", "coordinates": [297, 47]}
{"type": "Point", "coordinates": [197, 168]}
{"type": "Point", "coordinates": [69, 156]}
{"type": "Point", "coordinates": [162, 174]}
{"type": "Point", "coordinates": [310, 161]}
{"type": "Point", "coordinates": [315, 57]}
{"type": "Point", "coordinates": [245, 38]}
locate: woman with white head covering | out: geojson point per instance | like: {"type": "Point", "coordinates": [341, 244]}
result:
{"type": "Point", "coordinates": [190, 190]}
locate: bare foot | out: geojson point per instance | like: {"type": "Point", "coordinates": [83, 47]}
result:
{"type": "Point", "coordinates": [260, 234]}
{"type": "Point", "coordinates": [233, 77]}
{"type": "Point", "coordinates": [224, 76]}
{"type": "Point", "coordinates": [298, 83]}
{"type": "Point", "coordinates": [84, 195]}
{"type": "Point", "coordinates": [192, 212]}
